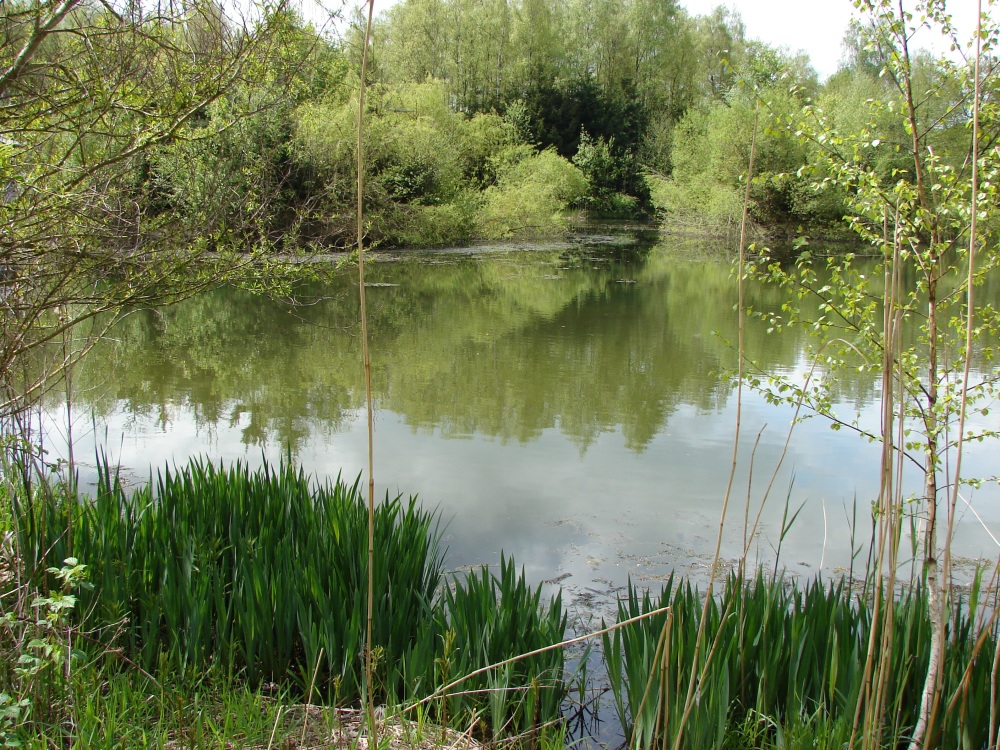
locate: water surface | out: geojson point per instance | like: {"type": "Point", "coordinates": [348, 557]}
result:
{"type": "Point", "coordinates": [563, 403]}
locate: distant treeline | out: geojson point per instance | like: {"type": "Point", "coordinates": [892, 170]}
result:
{"type": "Point", "coordinates": [492, 119]}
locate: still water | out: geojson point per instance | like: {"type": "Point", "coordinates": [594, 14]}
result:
{"type": "Point", "coordinates": [563, 403]}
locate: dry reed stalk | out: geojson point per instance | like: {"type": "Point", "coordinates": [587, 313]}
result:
{"type": "Point", "coordinates": [885, 480]}
{"type": "Point", "coordinates": [994, 741]}
{"type": "Point", "coordinates": [312, 686]}
{"type": "Point", "coordinates": [443, 691]}
{"type": "Point", "coordinates": [274, 729]}
{"type": "Point", "coordinates": [981, 639]}
{"type": "Point", "coordinates": [68, 390]}
{"type": "Point", "coordinates": [939, 584]}
{"type": "Point", "coordinates": [969, 334]}
{"type": "Point", "coordinates": [748, 537]}
{"type": "Point", "coordinates": [366, 356]}
{"type": "Point", "coordinates": [657, 654]}
{"type": "Point", "coordinates": [749, 530]}
{"type": "Point", "coordinates": [665, 677]}
{"type": "Point", "coordinates": [877, 661]}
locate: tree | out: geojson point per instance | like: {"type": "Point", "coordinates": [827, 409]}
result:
{"type": "Point", "coordinates": [537, 42]}
{"type": "Point", "coordinates": [712, 142]}
{"type": "Point", "coordinates": [925, 207]}
{"type": "Point", "coordinates": [238, 179]}
{"type": "Point", "coordinates": [464, 42]}
{"type": "Point", "coordinates": [721, 39]}
{"type": "Point", "coordinates": [89, 92]}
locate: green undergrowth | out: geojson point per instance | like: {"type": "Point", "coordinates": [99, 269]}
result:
{"type": "Point", "coordinates": [125, 709]}
{"type": "Point", "coordinates": [782, 666]}
{"type": "Point", "coordinates": [262, 576]}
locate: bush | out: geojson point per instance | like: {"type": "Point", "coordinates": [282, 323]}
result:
{"type": "Point", "coordinates": [700, 204]}
{"type": "Point", "coordinates": [483, 137]}
{"type": "Point", "coordinates": [437, 177]}
{"type": "Point", "coordinates": [426, 226]}
{"type": "Point", "coordinates": [532, 192]}
{"type": "Point", "coordinates": [711, 150]}
{"type": "Point", "coordinates": [38, 653]}
{"type": "Point", "coordinates": [615, 183]}
{"type": "Point", "coordinates": [228, 177]}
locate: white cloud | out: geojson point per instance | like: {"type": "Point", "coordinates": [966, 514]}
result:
{"type": "Point", "coordinates": [818, 27]}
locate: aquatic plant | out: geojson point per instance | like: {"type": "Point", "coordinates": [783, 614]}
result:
{"type": "Point", "coordinates": [787, 656]}
{"type": "Point", "coordinates": [263, 574]}
{"type": "Point", "coordinates": [483, 615]}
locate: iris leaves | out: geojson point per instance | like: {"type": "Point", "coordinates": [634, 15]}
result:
{"type": "Point", "coordinates": [262, 574]}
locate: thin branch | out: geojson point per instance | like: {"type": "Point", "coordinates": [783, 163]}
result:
{"type": "Point", "coordinates": [443, 691]}
{"type": "Point", "coordinates": [39, 34]}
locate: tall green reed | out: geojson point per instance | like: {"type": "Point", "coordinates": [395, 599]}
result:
{"type": "Point", "coordinates": [789, 656]}
{"type": "Point", "coordinates": [256, 571]}
{"type": "Point", "coordinates": [483, 615]}
{"type": "Point", "coordinates": [263, 574]}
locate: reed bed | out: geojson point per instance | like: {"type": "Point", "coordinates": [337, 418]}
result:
{"type": "Point", "coordinates": [788, 668]}
{"type": "Point", "coordinates": [516, 699]}
{"type": "Point", "coordinates": [262, 575]}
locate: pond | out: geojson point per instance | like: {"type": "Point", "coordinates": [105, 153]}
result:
{"type": "Point", "coordinates": [563, 403]}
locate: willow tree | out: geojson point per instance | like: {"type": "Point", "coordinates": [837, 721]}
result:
{"type": "Point", "coordinates": [918, 174]}
{"type": "Point", "coordinates": [88, 92]}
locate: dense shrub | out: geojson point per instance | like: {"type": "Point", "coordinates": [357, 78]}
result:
{"type": "Point", "coordinates": [436, 176]}
{"type": "Point", "coordinates": [531, 194]}
{"type": "Point", "coordinates": [615, 183]}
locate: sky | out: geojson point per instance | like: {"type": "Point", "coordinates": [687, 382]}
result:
{"type": "Point", "coordinates": [817, 27]}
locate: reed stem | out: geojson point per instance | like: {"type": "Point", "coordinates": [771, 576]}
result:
{"type": "Point", "coordinates": [969, 312]}
{"type": "Point", "coordinates": [695, 676]}
{"type": "Point", "coordinates": [443, 691]}
{"type": "Point", "coordinates": [366, 356]}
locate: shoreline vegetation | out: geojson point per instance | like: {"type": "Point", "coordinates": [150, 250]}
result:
{"type": "Point", "coordinates": [225, 606]}
{"type": "Point", "coordinates": [137, 145]}
{"type": "Point", "coordinates": [257, 580]}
